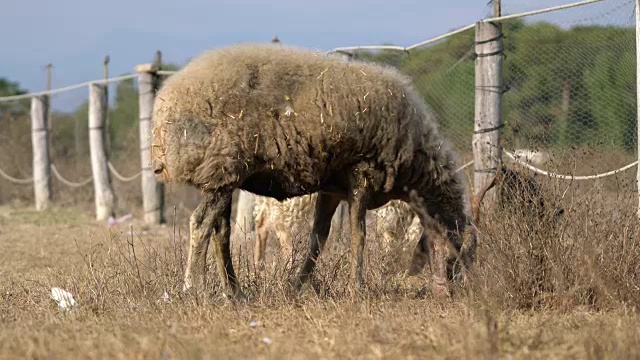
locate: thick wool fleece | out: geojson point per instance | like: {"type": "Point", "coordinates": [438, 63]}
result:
{"type": "Point", "coordinates": [282, 122]}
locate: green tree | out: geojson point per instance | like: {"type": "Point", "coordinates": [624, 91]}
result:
{"type": "Point", "coordinates": [12, 108]}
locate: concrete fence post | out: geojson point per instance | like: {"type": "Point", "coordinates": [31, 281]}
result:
{"type": "Point", "coordinates": [152, 190]}
{"type": "Point", "coordinates": [41, 156]}
{"type": "Point", "coordinates": [103, 189]}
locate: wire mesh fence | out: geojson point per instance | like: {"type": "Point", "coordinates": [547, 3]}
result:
{"type": "Point", "coordinates": [444, 74]}
{"type": "Point", "coordinates": [571, 85]}
{"type": "Point", "coordinates": [69, 144]}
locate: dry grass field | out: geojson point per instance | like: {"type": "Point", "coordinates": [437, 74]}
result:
{"type": "Point", "coordinates": [570, 289]}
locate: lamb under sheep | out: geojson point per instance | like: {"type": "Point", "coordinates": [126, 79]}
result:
{"type": "Point", "coordinates": [290, 220]}
{"type": "Point", "coordinates": [283, 122]}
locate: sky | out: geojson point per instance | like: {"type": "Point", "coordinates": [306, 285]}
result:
{"type": "Point", "coordinates": [75, 35]}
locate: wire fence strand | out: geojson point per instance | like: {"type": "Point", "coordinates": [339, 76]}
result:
{"type": "Point", "coordinates": [66, 88]}
{"type": "Point", "coordinates": [122, 177]}
{"type": "Point", "coordinates": [568, 177]}
{"type": "Point", "coordinates": [68, 182]}
{"type": "Point", "coordinates": [16, 180]}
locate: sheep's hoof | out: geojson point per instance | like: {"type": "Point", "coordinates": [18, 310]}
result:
{"type": "Point", "coordinates": [357, 288]}
{"type": "Point", "coordinates": [237, 297]}
{"type": "Point", "coordinates": [440, 289]}
{"type": "Point", "coordinates": [413, 270]}
{"type": "Point", "coordinates": [187, 286]}
{"type": "Point", "coordinates": [295, 285]}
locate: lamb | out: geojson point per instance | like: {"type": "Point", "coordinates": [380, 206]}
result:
{"type": "Point", "coordinates": [395, 222]}
{"type": "Point", "coordinates": [289, 219]}
{"type": "Point", "coordinates": [283, 122]}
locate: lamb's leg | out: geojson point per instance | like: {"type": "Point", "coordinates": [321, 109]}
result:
{"type": "Point", "coordinates": [284, 240]}
{"type": "Point", "coordinates": [326, 205]}
{"type": "Point", "coordinates": [201, 225]}
{"type": "Point", "coordinates": [262, 233]}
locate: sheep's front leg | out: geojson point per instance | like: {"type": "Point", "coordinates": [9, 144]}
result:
{"type": "Point", "coordinates": [211, 219]}
{"type": "Point", "coordinates": [421, 255]}
{"type": "Point", "coordinates": [358, 200]}
{"type": "Point", "coordinates": [222, 251]}
{"type": "Point", "coordinates": [326, 205]}
{"type": "Point", "coordinates": [200, 230]}
{"type": "Point", "coordinates": [432, 248]}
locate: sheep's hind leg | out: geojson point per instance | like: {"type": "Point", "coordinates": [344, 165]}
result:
{"type": "Point", "coordinates": [326, 205]}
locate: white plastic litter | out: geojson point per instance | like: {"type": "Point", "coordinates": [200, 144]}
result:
{"type": "Point", "coordinates": [64, 298]}
{"type": "Point", "coordinates": [267, 340]}
{"type": "Point", "coordinates": [253, 323]}
{"type": "Point", "coordinates": [165, 297]}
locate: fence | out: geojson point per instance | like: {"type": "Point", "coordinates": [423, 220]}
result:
{"type": "Point", "coordinates": [561, 87]}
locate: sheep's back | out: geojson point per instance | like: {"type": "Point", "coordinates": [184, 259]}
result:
{"type": "Point", "coordinates": [240, 109]}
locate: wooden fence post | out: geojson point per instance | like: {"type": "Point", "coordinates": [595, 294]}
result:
{"type": "Point", "coordinates": [103, 190]}
{"type": "Point", "coordinates": [152, 190]}
{"type": "Point", "coordinates": [41, 158]}
{"type": "Point", "coordinates": [487, 150]}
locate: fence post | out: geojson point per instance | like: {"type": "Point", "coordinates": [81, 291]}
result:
{"type": "Point", "coordinates": [638, 98]}
{"type": "Point", "coordinates": [102, 188]}
{"type": "Point", "coordinates": [152, 190]}
{"type": "Point", "coordinates": [487, 150]}
{"type": "Point", "coordinates": [41, 159]}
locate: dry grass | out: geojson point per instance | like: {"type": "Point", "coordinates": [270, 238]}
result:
{"type": "Point", "coordinates": [540, 290]}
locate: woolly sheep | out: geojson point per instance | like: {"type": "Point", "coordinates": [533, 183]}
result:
{"type": "Point", "coordinates": [522, 195]}
{"type": "Point", "coordinates": [532, 157]}
{"type": "Point", "coordinates": [282, 122]}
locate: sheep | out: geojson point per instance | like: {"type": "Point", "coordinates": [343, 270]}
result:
{"type": "Point", "coordinates": [291, 218]}
{"type": "Point", "coordinates": [518, 193]}
{"type": "Point", "coordinates": [522, 195]}
{"type": "Point", "coordinates": [282, 122]}
{"type": "Point", "coordinates": [532, 157]}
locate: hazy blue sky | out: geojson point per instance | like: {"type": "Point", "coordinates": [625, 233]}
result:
{"type": "Point", "coordinates": [75, 35]}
